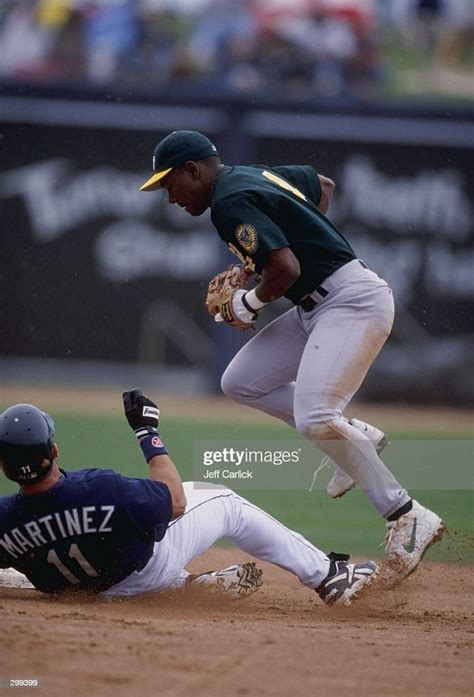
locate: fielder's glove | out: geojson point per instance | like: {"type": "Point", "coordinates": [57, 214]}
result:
{"type": "Point", "coordinates": [141, 413]}
{"type": "Point", "coordinates": [226, 298]}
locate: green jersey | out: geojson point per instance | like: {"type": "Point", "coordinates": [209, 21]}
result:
{"type": "Point", "coordinates": [258, 209]}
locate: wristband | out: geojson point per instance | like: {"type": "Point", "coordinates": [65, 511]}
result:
{"type": "Point", "coordinates": [152, 445]}
{"type": "Point", "coordinates": [144, 431]}
{"type": "Point", "coordinates": [254, 301]}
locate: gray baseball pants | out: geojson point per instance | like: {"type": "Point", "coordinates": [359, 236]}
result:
{"type": "Point", "coordinates": [305, 367]}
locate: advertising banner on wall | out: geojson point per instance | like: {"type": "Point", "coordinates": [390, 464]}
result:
{"type": "Point", "coordinates": [406, 208]}
{"type": "Point", "coordinates": [93, 269]}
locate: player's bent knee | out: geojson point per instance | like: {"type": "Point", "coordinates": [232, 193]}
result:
{"type": "Point", "coordinates": [229, 386]}
{"type": "Point", "coordinates": [318, 428]}
{"type": "Point", "coordinates": [233, 388]}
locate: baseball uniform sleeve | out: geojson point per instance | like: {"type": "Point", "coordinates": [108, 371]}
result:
{"type": "Point", "coordinates": [303, 177]}
{"type": "Point", "coordinates": [147, 502]}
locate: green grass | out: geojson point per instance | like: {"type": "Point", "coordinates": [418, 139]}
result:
{"type": "Point", "coordinates": [346, 525]}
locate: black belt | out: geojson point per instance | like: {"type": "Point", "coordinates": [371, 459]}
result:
{"type": "Point", "coordinates": [307, 303]}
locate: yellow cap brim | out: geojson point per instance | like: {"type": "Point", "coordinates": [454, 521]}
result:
{"type": "Point", "coordinates": [154, 181]}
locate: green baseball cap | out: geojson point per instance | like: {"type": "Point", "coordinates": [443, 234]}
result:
{"type": "Point", "coordinates": [174, 151]}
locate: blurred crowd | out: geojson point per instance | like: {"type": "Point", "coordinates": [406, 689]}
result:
{"type": "Point", "coordinates": [271, 47]}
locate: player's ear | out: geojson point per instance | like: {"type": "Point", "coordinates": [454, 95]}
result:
{"type": "Point", "coordinates": [192, 168]}
{"type": "Point", "coordinates": [55, 451]}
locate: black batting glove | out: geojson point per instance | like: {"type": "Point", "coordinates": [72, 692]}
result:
{"type": "Point", "coordinates": [141, 413]}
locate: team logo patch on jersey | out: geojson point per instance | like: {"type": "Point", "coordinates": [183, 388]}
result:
{"type": "Point", "coordinates": [247, 237]}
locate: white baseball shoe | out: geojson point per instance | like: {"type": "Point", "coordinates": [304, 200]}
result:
{"type": "Point", "coordinates": [238, 581]}
{"type": "Point", "coordinates": [341, 482]}
{"type": "Point", "coordinates": [407, 540]}
{"type": "Point", "coordinates": [10, 578]}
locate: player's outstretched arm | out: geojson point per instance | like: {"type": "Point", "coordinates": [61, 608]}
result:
{"type": "Point", "coordinates": [143, 417]}
{"type": "Point", "coordinates": [162, 469]}
{"type": "Point", "coordinates": [327, 190]}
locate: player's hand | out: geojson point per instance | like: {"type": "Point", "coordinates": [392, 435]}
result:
{"type": "Point", "coordinates": [141, 412]}
{"type": "Point", "coordinates": [236, 312]}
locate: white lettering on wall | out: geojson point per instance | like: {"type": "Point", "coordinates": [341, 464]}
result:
{"type": "Point", "coordinates": [447, 271]}
{"type": "Point", "coordinates": [429, 202]}
{"type": "Point", "coordinates": [130, 249]}
{"type": "Point", "coordinates": [57, 199]}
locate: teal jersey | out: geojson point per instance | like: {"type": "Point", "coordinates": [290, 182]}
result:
{"type": "Point", "coordinates": [257, 209]}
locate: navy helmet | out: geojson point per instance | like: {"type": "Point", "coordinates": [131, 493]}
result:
{"type": "Point", "coordinates": [26, 443]}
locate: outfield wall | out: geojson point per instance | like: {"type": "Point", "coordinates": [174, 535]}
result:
{"type": "Point", "coordinates": [97, 276]}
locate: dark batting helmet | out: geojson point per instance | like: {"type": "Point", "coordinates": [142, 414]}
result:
{"type": "Point", "coordinates": [26, 443]}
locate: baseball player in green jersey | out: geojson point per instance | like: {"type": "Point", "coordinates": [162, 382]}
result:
{"type": "Point", "coordinates": [305, 366]}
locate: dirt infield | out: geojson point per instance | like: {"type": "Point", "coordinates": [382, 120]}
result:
{"type": "Point", "coordinates": [416, 640]}
{"type": "Point", "coordinates": [108, 401]}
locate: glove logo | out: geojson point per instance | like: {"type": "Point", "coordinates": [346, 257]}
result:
{"type": "Point", "coordinates": [246, 236]}
{"type": "Point", "coordinates": [156, 442]}
{"type": "Point", "coordinates": [151, 411]}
